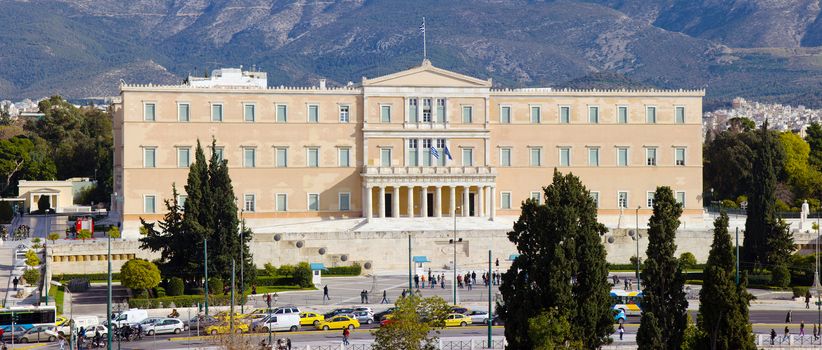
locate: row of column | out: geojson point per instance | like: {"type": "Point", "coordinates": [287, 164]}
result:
{"type": "Point", "coordinates": [484, 204]}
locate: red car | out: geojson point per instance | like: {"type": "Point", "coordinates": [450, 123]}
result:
{"type": "Point", "coordinates": [386, 322]}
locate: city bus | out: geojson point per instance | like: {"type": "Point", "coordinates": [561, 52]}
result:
{"type": "Point", "coordinates": [629, 302]}
{"type": "Point", "coordinates": [27, 316]}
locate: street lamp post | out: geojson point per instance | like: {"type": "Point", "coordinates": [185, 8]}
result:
{"type": "Point", "coordinates": [205, 268]}
{"type": "Point", "coordinates": [242, 261]}
{"type": "Point", "coordinates": [71, 313]}
{"type": "Point", "coordinates": [816, 286]}
{"type": "Point", "coordinates": [490, 314]}
{"type": "Point", "coordinates": [108, 301]}
{"type": "Point", "coordinates": [638, 285]}
{"type": "Point", "coordinates": [409, 263]}
{"type": "Point", "coordinates": [454, 242]}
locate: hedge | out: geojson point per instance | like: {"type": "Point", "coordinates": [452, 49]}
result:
{"type": "Point", "coordinates": [115, 276]}
{"type": "Point", "coordinates": [274, 281]}
{"type": "Point", "coordinates": [632, 267]}
{"type": "Point", "coordinates": [181, 301]}
{"type": "Point", "coordinates": [354, 270]}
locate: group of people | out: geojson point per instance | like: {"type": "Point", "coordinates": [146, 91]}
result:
{"type": "Point", "coordinates": [433, 280]}
{"type": "Point", "coordinates": [817, 330]}
{"type": "Point", "coordinates": [628, 284]}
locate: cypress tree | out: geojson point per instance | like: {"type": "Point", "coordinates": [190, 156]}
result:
{"type": "Point", "coordinates": [780, 247]}
{"type": "Point", "coordinates": [555, 240]}
{"type": "Point", "coordinates": [197, 208]}
{"type": "Point", "coordinates": [723, 306]}
{"type": "Point", "coordinates": [761, 199]}
{"type": "Point", "coordinates": [664, 319]}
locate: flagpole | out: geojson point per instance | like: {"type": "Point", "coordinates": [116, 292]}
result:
{"type": "Point", "coordinates": [424, 47]}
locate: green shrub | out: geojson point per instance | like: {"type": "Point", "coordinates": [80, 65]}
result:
{"type": "Point", "coordinates": [179, 301]}
{"type": "Point", "coordinates": [140, 274]}
{"type": "Point", "coordinates": [780, 276]}
{"type": "Point", "coordinates": [215, 285]}
{"type": "Point", "coordinates": [353, 270]}
{"type": "Point", "coordinates": [274, 281]}
{"type": "Point", "coordinates": [6, 212]}
{"type": "Point", "coordinates": [115, 276]}
{"type": "Point", "coordinates": [160, 292]}
{"type": "Point", "coordinates": [32, 259]}
{"type": "Point", "coordinates": [687, 260]}
{"type": "Point", "coordinates": [727, 203]}
{"type": "Point", "coordinates": [32, 276]}
{"type": "Point", "coordinates": [302, 275]}
{"type": "Point", "coordinates": [800, 292]}
{"type": "Point", "coordinates": [176, 287]}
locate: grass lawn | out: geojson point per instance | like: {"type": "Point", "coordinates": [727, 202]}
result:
{"type": "Point", "coordinates": [274, 289]}
{"type": "Point", "coordinates": [56, 296]}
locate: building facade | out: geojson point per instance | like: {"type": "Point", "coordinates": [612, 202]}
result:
{"type": "Point", "coordinates": [423, 142]}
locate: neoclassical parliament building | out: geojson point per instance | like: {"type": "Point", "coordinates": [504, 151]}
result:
{"type": "Point", "coordinates": [421, 143]}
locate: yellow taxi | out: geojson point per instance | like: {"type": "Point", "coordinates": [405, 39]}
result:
{"type": "Point", "coordinates": [457, 320]}
{"type": "Point", "coordinates": [310, 319]}
{"type": "Point", "coordinates": [338, 322]}
{"type": "Point", "coordinates": [223, 328]}
{"type": "Point", "coordinates": [225, 315]}
{"type": "Point", "coordinates": [60, 320]}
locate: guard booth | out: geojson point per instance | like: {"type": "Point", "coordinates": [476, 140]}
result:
{"type": "Point", "coordinates": [419, 265]}
{"type": "Point", "coordinates": [317, 273]}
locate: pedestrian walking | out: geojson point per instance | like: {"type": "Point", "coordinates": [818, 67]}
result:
{"type": "Point", "coordinates": [808, 300]}
{"type": "Point", "coordinates": [365, 292]}
{"type": "Point", "coordinates": [469, 284]}
{"type": "Point", "coordinates": [788, 317]}
{"type": "Point", "coordinates": [404, 292]}
{"type": "Point", "coordinates": [416, 281]}
{"type": "Point", "coordinates": [268, 299]}
{"type": "Point", "coordinates": [459, 281]}
{"type": "Point", "coordinates": [362, 296]}
{"type": "Point", "coordinates": [787, 333]}
{"type": "Point", "coordinates": [346, 333]}
{"type": "Point", "coordinates": [773, 335]}
{"type": "Point", "coordinates": [621, 330]}
{"type": "Point", "coordinates": [433, 281]}
{"type": "Point", "coordinates": [254, 288]}
{"type": "Point", "coordinates": [384, 297]}
{"type": "Point", "coordinates": [473, 277]}
{"type": "Point", "coordinates": [442, 281]}
{"type": "Point", "coordinates": [325, 293]}
{"type": "Point", "coordinates": [815, 332]}
{"type": "Point", "coordinates": [802, 329]}
{"type": "Point", "coordinates": [625, 282]}
{"type": "Point", "coordinates": [15, 281]}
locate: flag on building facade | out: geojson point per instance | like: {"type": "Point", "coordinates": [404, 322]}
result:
{"type": "Point", "coordinates": [422, 26]}
{"type": "Point", "coordinates": [434, 152]}
{"type": "Point", "coordinates": [447, 153]}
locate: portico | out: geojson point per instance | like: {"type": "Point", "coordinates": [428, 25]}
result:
{"type": "Point", "coordinates": [429, 192]}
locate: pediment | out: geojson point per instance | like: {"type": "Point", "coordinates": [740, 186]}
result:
{"type": "Point", "coordinates": [427, 75]}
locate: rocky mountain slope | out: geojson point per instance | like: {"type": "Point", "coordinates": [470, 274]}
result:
{"type": "Point", "coordinates": [82, 48]}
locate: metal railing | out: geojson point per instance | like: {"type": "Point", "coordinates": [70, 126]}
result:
{"type": "Point", "coordinates": [790, 340]}
{"type": "Point", "coordinates": [462, 344]}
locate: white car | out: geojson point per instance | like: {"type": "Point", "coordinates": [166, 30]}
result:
{"type": "Point", "coordinates": [165, 325]}
{"type": "Point", "coordinates": [364, 308]}
{"type": "Point", "coordinates": [92, 330]}
{"type": "Point", "coordinates": [478, 316]}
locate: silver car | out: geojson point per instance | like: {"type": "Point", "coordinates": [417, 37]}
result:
{"type": "Point", "coordinates": [364, 317]}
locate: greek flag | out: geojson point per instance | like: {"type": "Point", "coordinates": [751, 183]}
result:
{"type": "Point", "coordinates": [422, 26]}
{"type": "Point", "coordinates": [434, 152]}
{"type": "Point", "coordinates": [447, 153]}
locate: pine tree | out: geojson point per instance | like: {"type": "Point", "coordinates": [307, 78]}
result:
{"type": "Point", "coordinates": [761, 199]}
{"type": "Point", "coordinates": [174, 246]}
{"type": "Point", "coordinates": [555, 240]}
{"type": "Point", "coordinates": [723, 307]}
{"type": "Point", "coordinates": [781, 246]}
{"type": "Point", "coordinates": [664, 319]}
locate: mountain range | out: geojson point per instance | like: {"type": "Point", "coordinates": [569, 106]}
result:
{"type": "Point", "coordinates": [759, 49]}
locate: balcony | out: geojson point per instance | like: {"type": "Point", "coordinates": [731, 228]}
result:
{"type": "Point", "coordinates": [439, 170]}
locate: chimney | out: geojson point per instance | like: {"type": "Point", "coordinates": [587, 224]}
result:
{"type": "Point", "coordinates": [322, 84]}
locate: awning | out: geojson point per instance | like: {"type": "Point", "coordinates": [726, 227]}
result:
{"type": "Point", "coordinates": [317, 266]}
{"type": "Point", "coordinates": [421, 259]}
{"type": "Point", "coordinates": [513, 257]}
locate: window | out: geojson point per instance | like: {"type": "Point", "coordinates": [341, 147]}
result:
{"type": "Point", "coordinates": [649, 199]}
{"type": "Point", "coordinates": [249, 202]}
{"type": "Point", "coordinates": [651, 156]}
{"type": "Point", "coordinates": [313, 113]}
{"type": "Point", "coordinates": [622, 199]}
{"type": "Point", "coordinates": [467, 115]}
{"type": "Point", "coordinates": [440, 110]}
{"type": "Point", "coordinates": [149, 112]}
{"type": "Point", "coordinates": [282, 113]}
{"type": "Point", "coordinates": [679, 156]}
{"type": "Point", "coordinates": [249, 112]}
{"type": "Point", "coordinates": [564, 115]}
{"type": "Point", "coordinates": [505, 200]}
{"type": "Point", "coordinates": [344, 117]}
{"type": "Point", "coordinates": [385, 157]}
{"type": "Point", "coordinates": [183, 112]}
{"type": "Point", "coordinates": [313, 202]}
{"type": "Point", "coordinates": [217, 112]}
{"type": "Point", "coordinates": [679, 115]}
{"type": "Point", "coordinates": [504, 157]}
{"type": "Point", "coordinates": [595, 198]}
{"type": "Point", "coordinates": [183, 157]}
{"type": "Point", "coordinates": [344, 157]}
{"type": "Point", "coordinates": [181, 201]}
{"type": "Point", "coordinates": [680, 197]}
{"type": "Point", "coordinates": [149, 157]}
{"type": "Point", "coordinates": [536, 156]}
{"type": "Point", "coordinates": [282, 202]}
{"type": "Point", "coordinates": [593, 156]}
{"type": "Point", "coordinates": [505, 115]}
{"type": "Point", "coordinates": [345, 201]}
{"type": "Point", "coordinates": [150, 204]}
{"type": "Point", "coordinates": [535, 196]}
{"type": "Point", "coordinates": [650, 114]}
{"type": "Point", "coordinates": [249, 157]}
{"type": "Point", "coordinates": [385, 114]}
{"type": "Point", "coordinates": [413, 151]}
{"type": "Point", "coordinates": [622, 156]}
{"type": "Point", "coordinates": [535, 115]}
{"type": "Point", "coordinates": [467, 157]}
{"type": "Point", "coordinates": [313, 157]}
{"type": "Point", "coordinates": [441, 152]}
{"type": "Point", "coordinates": [593, 114]}
{"type": "Point", "coordinates": [622, 115]}
{"type": "Point", "coordinates": [218, 151]}
{"type": "Point", "coordinates": [281, 155]}
{"type": "Point", "coordinates": [412, 110]}
{"type": "Point", "coordinates": [426, 110]}
{"type": "Point", "coordinates": [564, 156]}
{"type": "Point", "coordinates": [426, 152]}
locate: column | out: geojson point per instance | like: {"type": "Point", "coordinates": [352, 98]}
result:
{"type": "Point", "coordinates": [382, 201]}
{"type": "Point", "coordinates": [366, 202]}
{"type": "Point", "coordinates": [410, 201]}
{"type": "Point", "coordinates": [492, 209]}
{"type": "Point", "coordinates": [453, 208]}
{"type": "Point", "coordinates": [480, 201]}
{"type": "Point", "coordinates": [466, 190]}
{"type": "Point", "coordinates": [438, 202]}
{"type": "Point", "coordinates": [424, 202]}
{"type": "Point", "coordinates": [395, 210]}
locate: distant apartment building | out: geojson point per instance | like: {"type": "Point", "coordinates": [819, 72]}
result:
{"type": "Point", "coordinates": [424, 142]}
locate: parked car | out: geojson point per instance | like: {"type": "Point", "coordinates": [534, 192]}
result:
{"type": "Point", "coordinates": [223, 328]}
{"type": "Point", "coordinates": [286, 310]}
{"type": "Point", "coordinates": [620, 316]}
{"type": "Point", "coordinates": [79, 321]}
{"type": "Point", "coordinates": [457, 320]}
{"type": "Point", "coordinates": [310, 318]}
{"type": "Point", "coordinates": [18, 331]}
{"type": "Point", "coordinates": [386, 321]}
{"type": "Point", "coordinates": [381, 315]}
{"type": "Point", "coordinates": [339, 322]}
{"type": "Point", "coordinates": [497, 321]}
{"type": "Point", "coordinates": [342, 311]}
{"type": "Point", "coordinates": [165, 325]}
{"type": "Point", "coordinates": [60, 320]}
{"type": "Point", "coordinates": [459, 310]}
{"type": "Point", "coordinates": [202, 321]}
{"type": "Point", "coordinates": [363, 308]}
{"type": "Point", "coordinates": [130, 316]}
{"type": "Point", "coordinates": [38, 334]}
{"type": "Point", "coordinates": [90, 331]}
{"type": "Point", "coordinates": [364, 317]}
{"type": "Point", "coordinates": [478, 316]}
{"type": "Point", "coordinates": [282, 322]}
